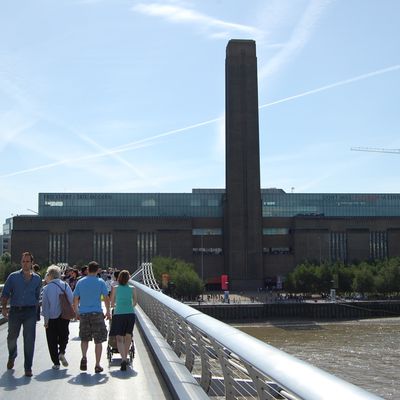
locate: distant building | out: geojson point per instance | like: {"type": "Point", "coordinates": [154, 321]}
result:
{"type": "Point", "coordinates": [6, 236]}
{"type": "Point", "coordinates": [255, 236]}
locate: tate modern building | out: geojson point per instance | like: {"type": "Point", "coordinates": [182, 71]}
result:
{"type": "Point", "coordinates": [253, 235]}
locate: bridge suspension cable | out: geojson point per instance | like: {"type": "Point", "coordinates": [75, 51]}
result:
{"type": "Point", "coordinates": [145, 275]}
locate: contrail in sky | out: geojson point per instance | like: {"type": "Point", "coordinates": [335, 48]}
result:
{"type": "Point", "coordinates": [114, 150]}
{"type": "Point", "coordinates": [333, 85]}
{"type": "Point", "coordinates": [145, 142]}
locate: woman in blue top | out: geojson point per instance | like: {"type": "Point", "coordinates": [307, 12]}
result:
{"type": "Point", "coordinates": [123, 298]}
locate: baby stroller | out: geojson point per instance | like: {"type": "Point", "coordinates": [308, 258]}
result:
{"type": "Point", "coordinates": [113, 349]}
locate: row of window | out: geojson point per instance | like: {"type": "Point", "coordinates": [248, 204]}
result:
{"type": "Point", "coordinates": [147, 202]}
{"type": "Point", "coordinates": [338, 246]}
{"type": "Point", "coordinates": [58, 248]}
{"type": "Point", "coordinates": [378, 246]}
{"type": "Point", "coordinates": [103, 248]}
{"type": "Point", "coordinates": [197, 204]}
{"type": "Point", "coordinates": [280, 204]}
{"type": "Point", "coordinates": [146, 246]}
{"type": "Point", "coordinates": [276, 231]}
{"type": "Point", "coordinates": [209, 203]}
{"type": "Point", "coordinates": [277, 250]}
{"type": "Point", "coordinates": [207, 251]}
{"type": "Point", "coordinates": [206, 231]}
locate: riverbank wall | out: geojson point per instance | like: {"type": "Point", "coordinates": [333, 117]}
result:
{"type": "Point", "coordinates": [317, 311]}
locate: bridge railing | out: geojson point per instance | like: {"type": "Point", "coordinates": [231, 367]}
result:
{"type": "Point", "coordinates": [230, 364]}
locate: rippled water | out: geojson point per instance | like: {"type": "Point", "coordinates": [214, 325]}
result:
{"type": "Point", "coordinates": [365, 353]}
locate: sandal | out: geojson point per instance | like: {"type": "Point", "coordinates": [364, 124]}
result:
{"type": "Point", "coordinates": [98, 369]}
{"type": "Point", "coordinates": [83, 366]}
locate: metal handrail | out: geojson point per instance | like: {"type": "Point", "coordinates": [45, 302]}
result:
{"type": "Point", "coordinates": [229, 363]}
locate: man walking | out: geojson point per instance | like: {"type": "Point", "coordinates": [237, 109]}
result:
{"type": "Point", "coordinates": [87, 305]}
{"type": "Point", "coordinates": [22, 288]}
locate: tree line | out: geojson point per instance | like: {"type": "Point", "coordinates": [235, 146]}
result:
{"type": "Point", "coordinates": [377, 277]}
{"type": "Point", "coordinates": [183, 281]}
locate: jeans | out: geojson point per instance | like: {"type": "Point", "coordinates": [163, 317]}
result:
{"type": "Point", "coordinates": [25, 316]}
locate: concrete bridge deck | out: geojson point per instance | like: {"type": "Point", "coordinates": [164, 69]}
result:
{"type": "Point", "coordinates": [142, 381]}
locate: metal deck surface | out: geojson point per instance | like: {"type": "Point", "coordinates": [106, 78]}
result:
{"type": "Point", "coordinates": [141, 381]}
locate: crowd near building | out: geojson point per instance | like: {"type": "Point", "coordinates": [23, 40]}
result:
{"type": "Point", "coordinates": [253, 235]}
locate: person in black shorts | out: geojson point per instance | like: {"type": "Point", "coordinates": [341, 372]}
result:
{"type": "Point", "coordinates": [123, 297]}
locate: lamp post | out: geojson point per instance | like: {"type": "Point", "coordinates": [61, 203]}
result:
{"type": "Point", "coordinates": [333, 291]}
{"type": "Point", "coordinates": [202, 258]}
{"type": "Point", "coordinates": [320, 249]}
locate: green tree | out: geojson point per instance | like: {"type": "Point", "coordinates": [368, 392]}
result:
{"type": "Point", "coordinates": [6, 266]}
{"type": "Point", "coordinates": [290, 283]}
{"type": "Point", "coordinates": [388, 276]}
{"type": "Point", "coordinates": [187, 282]}
{"type": "Point", "coordinates": [182, 274]}
{"type": "Point", "coordinates": [345, 277]}
{"type": "Point", "coordinates": [163, 265]}
{"type": "Point", "coordinates": [364, 280]}
{"type": "Point", "coordinates": [324, 278]}
{"type": "Point", "coordinates": [305, 278]}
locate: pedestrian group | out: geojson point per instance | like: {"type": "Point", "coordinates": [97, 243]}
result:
{"type": "Point", "coordinates": [85, 293]}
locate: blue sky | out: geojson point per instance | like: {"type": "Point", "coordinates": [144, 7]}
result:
{"type": "Point", "coordinates": [128, 96]}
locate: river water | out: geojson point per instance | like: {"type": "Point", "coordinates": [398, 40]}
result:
{"type": "Point", "coordinates": [365, 353]}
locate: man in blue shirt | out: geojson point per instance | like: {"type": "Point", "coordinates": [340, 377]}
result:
{"type": "Point", "coordinates": [22, 288]}
{"type": "Point", "coordinates": [87, 304]}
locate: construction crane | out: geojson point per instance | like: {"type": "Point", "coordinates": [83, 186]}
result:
{"type": "Point", "coordinates": [376, 150]}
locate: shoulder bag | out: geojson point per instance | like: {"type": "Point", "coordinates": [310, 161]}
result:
{"type": "Point", "coordinates": [67, 311]}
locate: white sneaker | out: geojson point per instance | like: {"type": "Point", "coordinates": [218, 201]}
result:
{"type": "Point", "coordinates": [55, 366]}
{"type": "Point", "coordinates": [63, 360]}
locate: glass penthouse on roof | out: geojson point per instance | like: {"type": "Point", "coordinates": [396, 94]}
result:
{"type": "Point", "coordinates": [209, 203]}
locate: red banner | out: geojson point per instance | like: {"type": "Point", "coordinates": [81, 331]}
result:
{"type": "Point", "coordinates": [224, 282]}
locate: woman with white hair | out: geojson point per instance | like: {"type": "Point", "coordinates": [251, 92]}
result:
{"type": "Point", "coordinates": [57, 328]}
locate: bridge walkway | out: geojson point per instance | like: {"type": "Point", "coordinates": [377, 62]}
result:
{"type": "Point", "coordinates": [142, 381]}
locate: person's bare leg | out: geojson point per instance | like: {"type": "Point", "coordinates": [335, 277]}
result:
{"type": "Point", "coordinates": [128, 340]}
{"type": "Point", "coordinates": [121, 346]}
{"type": "Point", "coordinates": [84, 348]}
{"type": "Point", "coordinates": [98, 350]}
